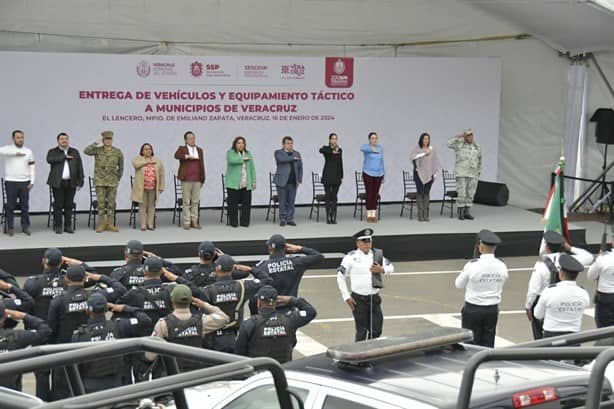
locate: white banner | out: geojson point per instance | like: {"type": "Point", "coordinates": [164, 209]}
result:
{"type": "Point", "coordinates": [156, 99]}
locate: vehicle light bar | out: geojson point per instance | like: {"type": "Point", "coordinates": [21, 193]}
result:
{"type": "Point", "coordinates": [425, 339]}
{"type": "Point", "coordinates": [534, 397]}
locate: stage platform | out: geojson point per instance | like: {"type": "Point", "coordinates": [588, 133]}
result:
{"type": "Point", "coordinates": [401, 238]}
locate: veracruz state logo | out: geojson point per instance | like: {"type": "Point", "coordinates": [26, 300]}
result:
{"type": "Point", "coordinates": [339, 72]}
{"type": "Point", "coordinates": [196, 69]}
{"type": "Point", "coordinates": [143, 69]}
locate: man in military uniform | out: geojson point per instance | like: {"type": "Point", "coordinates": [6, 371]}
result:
{"type": "Point", "coordinates": [107, 373]}
{"type": "Point", "coordinates": [483, 280]}
{"type": "Point", "coordinates": [187, 328]}
{"type": "Point", "coordinates": [230, 295]}
{"type": "Point", "coordinates": [108, 170]}
{"type": "Point", "coordinates": [561, 305]}
{"type": "Point", "coordinates": [545, 272]}
{"type": "Point", "coordinates": [467, 170]}
{"type": "Point", "coordinates": [364, 266]}
{"type": "Point", "coordinates": [271, 332]}
{"type": "Point", "coordinates": [12, 339]}
{"type": "Point", "coordinates": [602, 271]}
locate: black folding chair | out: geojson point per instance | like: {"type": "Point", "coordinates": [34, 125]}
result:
{"type": "Point", "coordinates": [318, 195]}
{"type": "Point", "coordinates": [449, 191]}
{"type": "Point", "coordinates": [410, 194]}
{"type": "Point", "coordinates": [134, 207]}
{"type": "Point", "coordinates": [224, 201]}
{"type": "Point", "coordinates": [361, 196]}
{"type": "Point", "coordinates": [93, 210]}
{"type": "Point", "coordinates": [273, 197]}
{"type": "Point", "coordinates": [178, 206]}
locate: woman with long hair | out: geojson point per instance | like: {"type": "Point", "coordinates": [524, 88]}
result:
{"type": "Point", "coordinates": [426, 166]}
{"type": "Point", "coordinates": [372, 174]}
{"type": "Point", "coordinates": [148, 184]}
{"type": "Point", "coordinates": [240, 181]}
{"type": "Point", "coordinates": [332, 175]}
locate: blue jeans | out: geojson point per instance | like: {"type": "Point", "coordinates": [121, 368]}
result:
{"type": "Point", "coordinates": [14, 191]}
{"type": "Point", "coordinates": [287, 196]}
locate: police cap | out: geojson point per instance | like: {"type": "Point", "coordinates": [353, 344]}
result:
{"type": "Point", "coordinates": [97, 302]}
{"type": "Point", "coordinates": [153, 264]}
{"type": "Point", "coordinates": [134, 247]}
{"type": "Point", "coordinates": [554, 239]}
{"type": "Point", "coordinates": [489, 238]}
{"type": "Point", "coordinates": [267, 293]}
{"type": "Point", "coordinates": [276, 241]}
{"type": "Point", "coordinates": [107, 134]}
{"type": "Point", "coordinates": [76, 273]}
{"type": "Point", "coordinates": [225, 262]}
{"type": "Point", "coordinates": [570, 264]}
{"type": "Point", "coordinates": [181, 294]}
{"type": "Point", "coordinates": [206, 249]}
{"type": "Point", "coordinates": [53, 256]}
{"type": "Point", "coordinates": [364, 234]}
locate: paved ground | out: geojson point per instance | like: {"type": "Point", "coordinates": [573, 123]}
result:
{"type": "Point", "coordinates": [416, 291]}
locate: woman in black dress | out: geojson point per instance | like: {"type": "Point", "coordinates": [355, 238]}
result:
{"type": "Point", "coordinates": [332, 175]}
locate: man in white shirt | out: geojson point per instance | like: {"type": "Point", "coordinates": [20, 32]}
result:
{"type": "Point", "coordinates": [18, 180]}
{"type": "Point", "coordinates": [602, 271]}
{"type": "Point", "coordinates": [561, 305]}
{"type": "Point", "coordinates": [545, 272]}
{"type": "Point", "coordinates": [483, 279]}
{"type": "Point", "coordinates": [364, 266]}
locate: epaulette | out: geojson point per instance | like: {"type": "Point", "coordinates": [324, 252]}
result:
{"type": "Point", "coordinates": [473, 260]}
{"type": "Point", "coordinates": [552, 285]}
{"type": "Point", "coordinates": [351, 253]}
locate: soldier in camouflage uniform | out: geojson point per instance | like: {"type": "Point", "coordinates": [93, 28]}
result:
{"type": "Point", "coordinates": [467, 170]}
{"type": "Point", "coordinates": [108, 170]}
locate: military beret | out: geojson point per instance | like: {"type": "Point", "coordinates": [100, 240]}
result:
{"type": "Point", "coordinates": [553, 238]}
{"type": "Point", "coordinates": [153, 264]}
{"type": "Point", "coordinates": [267, 293]}
{"type": "Point", "coordinates": [206, 248]}
{"type": "Point", "coordinates": [97, 302]}
{"type": "Point", "coordinates": [181, 294]}
{"type": "Point", "coordinates": [570, 264]}
{"type": "Point", "coordinates": [53, 256]}
{"type": "Point", "coordinates": [107, 134]}
{"type": "Point", "coordinates": [363, 234]}
{"type": "Point", "coordinates": [134, 247]}
{"type": "Point", "coordinates": [489, 238]}
{"type": "Point", "coordinates": [276, 241]}
{"type": "Point", "coordinates": [76, 273]}
{"type": "Point", "coordinates": [225, 262]}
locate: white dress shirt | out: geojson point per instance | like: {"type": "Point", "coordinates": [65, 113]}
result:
{"type": "Point", "coordinates": [483, 280]}
{"type": "Point", "coordinates": [603, 270]}
{"type": "Point", "coordinates": [540, 277]}
{"type": "Point", "coordinates": [356, 265]}
{"type": "Point", "coordinates": [66, 169]}
{"type": "Point", "coordinates": [18, 168]}
{"type": "Point", "coordinates": [561, 306]}
{"type": "Point", "coordinates": [193, 151]}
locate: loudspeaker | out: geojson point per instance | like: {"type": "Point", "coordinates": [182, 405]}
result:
{"type": "Point", "coordinates": [491, 193]}
{"type": "Point", "coordinates": [604, 131]}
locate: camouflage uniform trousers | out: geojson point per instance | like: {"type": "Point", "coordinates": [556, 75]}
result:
{"type": "Point", "coordinates": [465, 189]}
{"type": "Point", "coordinates": [106, 196]}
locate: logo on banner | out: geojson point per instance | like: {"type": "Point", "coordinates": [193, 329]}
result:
{"type": "Point", "coordinates": [215, 70]}
{"type": "Point", "coordinates": [255, 71]}
{"type": "Point", "coordinates": [339, 72]}
{"type": "Point", "coordinates": [143, 69]}
{"type": "Point", "coordinates": [293, 71]}
{"type": "Point", "coordinates": [196, 69]}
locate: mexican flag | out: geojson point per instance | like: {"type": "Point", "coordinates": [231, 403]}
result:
{"type": "Point", "coordinates": [555, 213]}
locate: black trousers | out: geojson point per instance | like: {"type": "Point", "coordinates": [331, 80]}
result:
{"type": "Point", "coordinates": [14, 191]}
{"type": "Point", "coordinates": [604, 310]}
{"type": "Point", "coordinates": [482, 320]}
{"type": "Point", "coordinates": [43, 384]}
{"type": "Point", "coordinates": [222, 341]}
{"type": "Point", "coordinates": [63, 199]}
{"type": "Point", "coordinates": [330, 194]}
{"type": "Point", "coordinates": [550, 334]}
{"type": "Point", "coordinates": [238, 197]}
{"type": "Point", "coordinates": [368, 317]}
{"type": "Point", "coordinates": [422, 188]}
{"type": "Point", "coordinates": [536, 325]}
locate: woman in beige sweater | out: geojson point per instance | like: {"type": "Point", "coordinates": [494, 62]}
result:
{"type": "Point", "coordinates": [148, 184]}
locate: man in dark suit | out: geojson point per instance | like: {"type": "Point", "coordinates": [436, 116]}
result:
{"type": "Point", "coordinates": [288, 176]}
{"type": "Point", "coordinates": [65, 176]}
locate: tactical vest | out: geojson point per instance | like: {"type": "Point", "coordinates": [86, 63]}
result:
{"type": "Point", "coordinates": [7, 341]}
{"type": "Point", "coordinates": [47, 286]}
{"type": "Point", "coordinates": [186, 332]}
{"type": "Point", "coordinates": [156, 301]}
{"type": "Point", "coordinates": [554, 272]}
{"type": "Point", "coordinates": [272, 338]}
{"type": "Point", "coordinates": [101, 331]}
{"type": "Point", "coordinates": [229, 296]}
{"type": "Point", "coordinates": [132, 275]}
{"type": "Point", "coordinates": [75, 306]}
{"type": "Point", "coordinates": [201, 275]}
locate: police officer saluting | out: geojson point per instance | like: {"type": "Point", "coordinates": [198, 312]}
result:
{"type": "Point", "coordinates": [546, 272]}
{"type": "Point", "coordinates": [131, 274]}
{"type": "Point", "coordinates": [602, 270]}
{"type": "Point", "coordinates": [13, 339]}
{"type": "Point", "coordinates": [230, 295]}
{"type": "Point", "coordinates": [14, 298]}
{"type": "Point", "coordinates": [364, 266]}
{"type": "Point", "coordinates": [561, 305]}
{"type": "Point", "coordinates": [107, 373]}
{"type": "Point", "coordinates": [272, 333]}
{"type": "Point", "coordinates": [186, 328]}
{"type": "Point", "coordinates": [483, 280]}
{"type": "Point", "coordinates": [203, 274]}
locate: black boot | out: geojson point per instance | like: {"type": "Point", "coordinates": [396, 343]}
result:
{"type": "Point", "coordinates": [333, 209]}
{"type": "Point", "coordinates": [461, 213]}
{"type": "Point", "coordinates": [468, 215]}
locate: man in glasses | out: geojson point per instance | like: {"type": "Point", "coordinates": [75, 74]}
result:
{"type": "Point", "coordinates": [365, 267]}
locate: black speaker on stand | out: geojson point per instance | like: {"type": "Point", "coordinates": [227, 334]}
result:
{"type": "Point", "coordinates": [604, 133]}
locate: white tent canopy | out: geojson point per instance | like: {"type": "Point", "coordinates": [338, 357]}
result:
{"type": "Point", "coordinates": [528, 35]}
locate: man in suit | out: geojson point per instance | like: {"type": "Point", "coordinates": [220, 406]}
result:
{"type": "Point", "coordinates": [65, 177]}
{"type": "Point", "coordinates": [192, 176]}
{"type": "Point", "coordinates": [288, 176]}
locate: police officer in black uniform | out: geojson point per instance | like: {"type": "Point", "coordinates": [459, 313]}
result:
{"type": "Point", "coordinates": [107, 373]}
{"type": "Point", "coordinates": [13, 339]}
{"type": "Point", "coordinates": [14, 298]}
{"type": "Point", "coordinates": [271, 332]}
{"type": "Point", "coordinates": [131, 275]}
{"type": "Point", "coordinates": [203, 274]}
{"type": "Point", "coordinates": [286, 271]}
{"type": "Point", "coordinates": [230, 295]}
